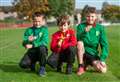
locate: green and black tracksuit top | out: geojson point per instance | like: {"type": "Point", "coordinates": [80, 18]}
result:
{"type": "Point", "coordinates": [92, 39]}
{"type": "Point", "coordinates": [40, 34]}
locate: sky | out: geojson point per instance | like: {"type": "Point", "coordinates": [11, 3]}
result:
{"type": "Point", "coordinates": [78, 3]}
{"type": "Point", "coordinates": [6, 2]}
{"type": "Point", "coordinates": [94, 3]}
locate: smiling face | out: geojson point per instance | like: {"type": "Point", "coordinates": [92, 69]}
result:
{"type": "Point", "coordinates": [91, 18]}
{"type": "Point", "coordinates": [64, 27]}
{"type": "Point", "coordinates": [63, 23]}
{"type": "Point", "coordinates": [38, 21]}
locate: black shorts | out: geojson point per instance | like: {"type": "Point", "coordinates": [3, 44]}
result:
{"type": "Point", "coordinates": [88, 59]}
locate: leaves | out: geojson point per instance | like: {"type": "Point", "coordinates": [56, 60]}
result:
{"type": "Point", "coordinates": [28, 7]}
{"type": "Point", "coordinates": [50, 7]}
{"type": "Point", "coordinates": [111, 12]}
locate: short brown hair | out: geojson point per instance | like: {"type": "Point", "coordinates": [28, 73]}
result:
{"type": "Point", "coordinates": [62, 20]}
{"type": "Point", "coordinates": [38, 14]}
{"type": "Point", "coordinates": [91, 10]}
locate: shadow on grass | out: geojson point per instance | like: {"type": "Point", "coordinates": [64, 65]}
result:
{"type": "Point", "coordinates": [11, 67]}
{"type": "Point", "coordinates": [14, 67]}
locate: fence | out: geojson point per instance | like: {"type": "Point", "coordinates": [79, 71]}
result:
{"type": "Point", "coordinates": [13, 25]}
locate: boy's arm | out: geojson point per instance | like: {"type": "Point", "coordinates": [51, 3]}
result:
{"type": "Point", "coordinates": [54, 44]}
{"type": "Point", "coordinates": [104, 45]}
{"type": "Point", "coordinates": [80, 31]}
{"type": "Point", "coordinates": [72, 40]}
{"type": "Point", "coordinates": [26, 38]}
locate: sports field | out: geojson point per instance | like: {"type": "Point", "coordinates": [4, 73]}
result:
{"type": "Point", "coordinates": [11, 52]}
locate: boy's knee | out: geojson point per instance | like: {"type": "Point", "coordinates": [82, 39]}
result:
{"type": "Point", "coordinates": [43, 49]}
{"type": "Point", "coordinates": [25, 62]}
{"type": "Point", "coordinates": [80, 45]}
{"type": "Point", "coordinates": [103, 70]}
{"type": "Point", "coordinates": [23, 65]}
{"type": "Point", "coordinates": [72, 48]}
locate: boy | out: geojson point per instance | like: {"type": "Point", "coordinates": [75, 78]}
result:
{"type": "Point", "coordinates": [89, 36]}
{"type": "Point", "coordinates": [63, 43]}
{"type": "Point", "coordinates": [36, 41]}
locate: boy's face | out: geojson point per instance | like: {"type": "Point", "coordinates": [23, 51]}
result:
{"type": "Point", "coordinates": [91, 18]}
{"type": "Point", "coordinates": [38, 21]}
{"type": "Point", "coordinates": [64, 27]}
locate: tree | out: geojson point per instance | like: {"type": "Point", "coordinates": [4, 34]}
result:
{"type": "Point", "coordinates": [28, 7]}
{"type": "Point", "coordinates": [105, 4]}
{"type": "Point", "coordinates": [50, 7]}
{"type": "Point", "coordinates": [84, 12]}
{"type": "Point", "coordinates": [5, 9]}
{"type": "Point", "coordinates": [111, 12]}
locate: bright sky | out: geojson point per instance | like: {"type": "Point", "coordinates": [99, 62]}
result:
{"type": "Point", "coordinates": [95, 3]}
{"type": "Point", "coordinates": [78, 3]}
{"type": "Point", "coordinates": [6, 2]}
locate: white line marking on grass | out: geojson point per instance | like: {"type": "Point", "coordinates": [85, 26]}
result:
{"type": "Point", "coordinates": [7, 45]}
{"type": "Point", "coordinates": [1, 49]}
{"type": "Point", "coordinates": [1, 41]}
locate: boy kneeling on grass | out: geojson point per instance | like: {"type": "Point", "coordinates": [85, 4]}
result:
{"type": "Point", "coordinates": [63, 44]}
{"type": "Point", "coordinates": [36, 41]}
{"type": "Point", "coordinates": [89, 36]}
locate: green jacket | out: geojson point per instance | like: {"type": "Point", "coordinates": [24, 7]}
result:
{"type": "Point", "coordinates": [40, 35]}
{"type": "Point", "coordinates": [92, 39]}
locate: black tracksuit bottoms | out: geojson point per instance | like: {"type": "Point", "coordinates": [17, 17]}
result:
{"type": "Point", "coordinates": [33, 55]}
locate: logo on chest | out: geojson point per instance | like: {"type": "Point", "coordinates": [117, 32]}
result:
{"type": "Point", "coordinates": [97, 33]}
{"type": "Point", "coordinates": [40, 34]}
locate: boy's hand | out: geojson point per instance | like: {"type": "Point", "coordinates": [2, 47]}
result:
{"type": "Point", "coordinates": [60, 43]}
{"type": "Point", "coordinates": [31, 38]}
{"type": "Point", "coordinates": [100, 66]}
{"type": "Point", "coordinates": [28, 46]}
{"type": "Point", "coordinates": [87, 29]}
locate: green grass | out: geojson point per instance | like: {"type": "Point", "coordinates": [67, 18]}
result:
{"type": "Point", "coordinates": [11, 52]}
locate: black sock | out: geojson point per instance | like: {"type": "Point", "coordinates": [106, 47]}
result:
{"type": "Point", "coordinates": [69, 65]}
{"type": "Point", "coordinates": [80, 65]}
